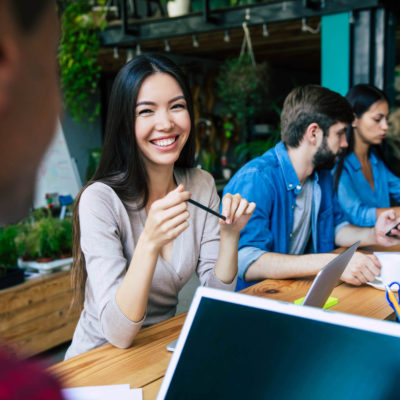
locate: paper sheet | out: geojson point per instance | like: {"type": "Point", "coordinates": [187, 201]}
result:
{"type": "Point", "coordinates": [120, 392]}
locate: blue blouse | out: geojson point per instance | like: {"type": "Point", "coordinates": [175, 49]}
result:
{"type": "Point", "coordinates": [356, 197]}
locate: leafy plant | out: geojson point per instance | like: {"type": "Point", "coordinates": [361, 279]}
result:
{"type": "Point", "coordinates": [44, 237]}
{"type": "Point", "coordinates": [65, 236]}
{"type": "Point", "coordinates": [242, 86]}
{"type": "Point", "coordinates": [247, 151]}
{"type": "Point", "coordinates": [8, 248]}
{"type": "Point", "coordinates": [78, 53]}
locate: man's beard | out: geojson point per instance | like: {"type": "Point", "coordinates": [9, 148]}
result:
{"type": "Point", "coordinates": [325, 158]}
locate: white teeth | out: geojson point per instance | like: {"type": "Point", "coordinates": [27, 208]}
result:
{"type": "Point", "coordinates": [164, 142]}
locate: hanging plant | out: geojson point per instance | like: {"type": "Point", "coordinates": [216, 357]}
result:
{"type": "Point", "coordinates": [79, 49]}
{"type": "Point", "coordinates": [241, 86]}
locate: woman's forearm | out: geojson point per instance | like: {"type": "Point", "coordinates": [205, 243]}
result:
{"type": "Point", "coordinates": [132, 296]}
{"type": "Point", "coordinates": [227, 263]}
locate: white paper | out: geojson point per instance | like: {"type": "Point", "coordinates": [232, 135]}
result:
{"type": "Point", "coordinates": [120, 392]}
{"type": "Point", "coordinates": [388, 259]}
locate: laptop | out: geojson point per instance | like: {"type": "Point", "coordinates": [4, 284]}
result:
{"type": "Point", "coordinates": [326, 279]}
{"type": "Point", "coordinates": [323, 284]}
{"type": "Point", "coordinates": [236, 346]}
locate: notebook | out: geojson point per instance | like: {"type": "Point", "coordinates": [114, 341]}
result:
{"type": "Point", "coordinates": [236, 346]}
{"type": "Point", "coordinates": [323, 284]}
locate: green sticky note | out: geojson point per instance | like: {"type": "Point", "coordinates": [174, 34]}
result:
{"type": "Point", "coordinates": [329, 303]}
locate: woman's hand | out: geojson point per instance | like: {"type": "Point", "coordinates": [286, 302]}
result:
{"type": "Point", "coordinates": [167, 218]}
{"type": "Point", "coordinates": [237, 212]}
{"type": "Point", "coordinates": [385, 222]}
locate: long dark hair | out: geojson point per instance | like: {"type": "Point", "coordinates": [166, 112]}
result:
{"type": "Point", "coordinates": [361, 97]}
{"type": "Point", "coordinates": [121, 164]}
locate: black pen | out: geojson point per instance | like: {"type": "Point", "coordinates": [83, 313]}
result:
{"type": "Point", "coordinates": [206, 209]}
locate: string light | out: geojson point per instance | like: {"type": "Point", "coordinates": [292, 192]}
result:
{"type": "Point", "coordinates": [351, 19]}
{"type": "Point", "coordinates": [167, 46]}
{"type": "Point", "coordinates": [195, 42]}
{"type": "Point", "coordinates": [116, 54]}
{"type": "Point", "coordinates": [227, 38]}
{"type": "Point", "coordinates": [265, 32]}
{"type": "Point", "coordinates": [129, 55]}
{"type": "Point", "coordinates": [138, 50]}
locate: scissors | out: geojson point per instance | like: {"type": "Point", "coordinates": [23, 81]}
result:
{"type": "Point", "coordinates": [392, 299]}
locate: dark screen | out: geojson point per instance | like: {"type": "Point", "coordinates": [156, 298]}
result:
{"type": "Point", "coordinates": [238, 352]}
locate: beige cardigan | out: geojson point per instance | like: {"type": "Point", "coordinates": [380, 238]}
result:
{"type": "Point", "coordinates": [108, 236]}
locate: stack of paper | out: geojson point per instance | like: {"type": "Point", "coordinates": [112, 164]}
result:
{"type": "Point", "coordinates": [120, 392]}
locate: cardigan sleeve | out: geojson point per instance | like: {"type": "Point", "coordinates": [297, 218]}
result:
{"type": "Point", "coordinates": [101, 215]}
{"type": "Point", "coordinates": [209, 244]}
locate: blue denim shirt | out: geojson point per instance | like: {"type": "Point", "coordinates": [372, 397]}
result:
{"type": "Point", "coordinates": [356, 197]}
{"type": "Point", "coordinates": [271, 182]}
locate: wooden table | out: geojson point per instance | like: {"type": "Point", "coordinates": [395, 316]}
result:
{"type": "Point", "coordinates": [144, 364]}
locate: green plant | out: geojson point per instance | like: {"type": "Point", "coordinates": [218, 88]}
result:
{"type": "Point", "coordinates": [78, 53]}
{"type": "Point", "coordinates": [8, 248]}
{"type": "Point", "coordinates": [242, 87]}
{"type": "Point", "coordinates": [44, 237]}
{"type": "Point", "coordinates": [247, 151]}
{"type": "Point", "coordinates": [94, 160]}
{"type": "Point", "coordinates": [65, 236]}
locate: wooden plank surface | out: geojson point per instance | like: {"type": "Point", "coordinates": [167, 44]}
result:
{"type": "Point", "coordinates": [34, 316]}
{"type": "Point", "coordinates": [365, 301]}
{"type": "Point", "coordinates": [140, 365]}
{"type": "Point", "coordinates": [280, 289]}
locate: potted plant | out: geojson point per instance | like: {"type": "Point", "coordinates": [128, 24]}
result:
{"type": "Point", "coordinates": [78, 53]}
{"type": "Point", "coordinates": [242, 87]}
{"type": "Point", "coordinates": [44, 243]}
{"type": "Point", "coordinates": [40, 241]}
{"type": "Point", "coordinates": [10, 274]}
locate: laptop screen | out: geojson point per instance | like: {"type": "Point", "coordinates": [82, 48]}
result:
{"type": "Point", "coordinates": [280, 351]}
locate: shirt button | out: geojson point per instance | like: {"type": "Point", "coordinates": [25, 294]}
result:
{"type": "Point", "coordinates": [291, 235]}
{"type": "Point", "coordinates": [292, 207]}
{"type": "Point", "coordinates": [290, 185]}
{"type": "Point", "coordinates": [298, 187]}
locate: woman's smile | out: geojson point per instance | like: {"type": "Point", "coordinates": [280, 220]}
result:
{"type": "Point", "coordinates": [162, 124]}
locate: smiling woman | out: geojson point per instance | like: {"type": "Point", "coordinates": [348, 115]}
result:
{"type": "Point", "coordinates": [162, 123]}
{"type": "Point", "coordinates": [137, 241]}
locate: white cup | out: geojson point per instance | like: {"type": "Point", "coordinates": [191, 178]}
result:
{"type": "Point", "coordinates": [390, 267]}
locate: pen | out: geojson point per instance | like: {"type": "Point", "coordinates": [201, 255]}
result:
{"type": "Point", "coordinates": [206, 209]}
{"type": "Point", "coordinates": [394, 301]}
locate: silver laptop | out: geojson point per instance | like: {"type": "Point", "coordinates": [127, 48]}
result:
{"type": "Point", "coordinates": [323, 284]}
{"type": "Point", "coordinates": [236, 346]}
{"type": "Point", "coordinates": [326, 279]}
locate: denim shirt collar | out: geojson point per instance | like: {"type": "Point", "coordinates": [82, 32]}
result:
{"type": "Point", "coordinates": [355, 163]}
{"type": "Point", "coordinates": [291, 180]}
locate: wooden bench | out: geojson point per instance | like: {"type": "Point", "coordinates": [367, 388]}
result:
{"type": "Point", "coordinates": [34, 316]}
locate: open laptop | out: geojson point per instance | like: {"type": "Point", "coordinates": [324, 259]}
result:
{"type": "Point", "coordinates": [323, 284]}
{"type": "Point", "coordinates": [236, 346]}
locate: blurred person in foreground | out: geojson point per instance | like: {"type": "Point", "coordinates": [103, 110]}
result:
{"type": "Point", "coordinates": [29, 105]}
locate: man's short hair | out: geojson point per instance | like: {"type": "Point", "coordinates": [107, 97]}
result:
{"type": "Point", "coordinates": [312, 104]}
{"type": "Point", "coordinates": [28, 12]}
